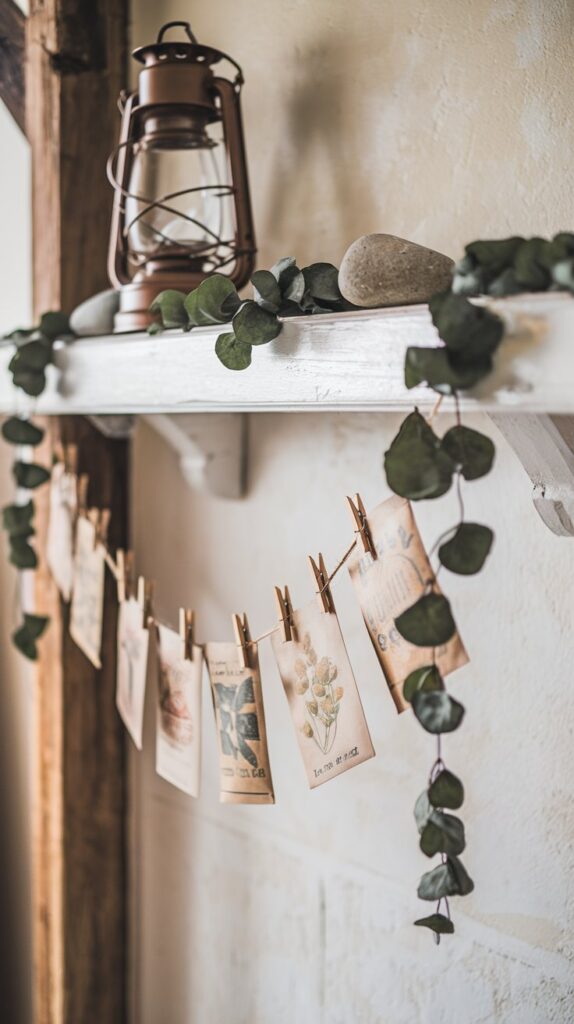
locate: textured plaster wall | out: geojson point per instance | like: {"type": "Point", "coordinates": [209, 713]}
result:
{"type": "Point", "coordinates": [439, 122]}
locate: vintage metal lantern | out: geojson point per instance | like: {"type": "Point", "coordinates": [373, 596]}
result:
{"type": "Point", "coordinates": [181, 208]}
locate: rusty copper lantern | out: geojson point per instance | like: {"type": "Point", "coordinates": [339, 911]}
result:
{"type": "Point", "coordinates": [181, 207]}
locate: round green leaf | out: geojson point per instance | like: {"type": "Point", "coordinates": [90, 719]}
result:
{"type": "Point", "coordinates": [416, 465]}
{"type": "Point", "coordinates": [531, 265]}
{"type": "Point", "coordinates": [443, 371]}
{"type": "Point", "coordinates": [468, 331]}
{"type": "Point", "coordinates": [425, 679]}
{"type": "Point", "coordinates": [30, 475]}
{"type": "Point", "coordinates": [472, 451]}
{"type": "Point", "coordinates": [322, 281]}
{"type": "Point", "coordinates": [54, 325]}
{"type": "Point", "coordinates": [428, 622]}
{"type": "Point", "coordinates": [446, 791]}
{"type": "Point", "coordinates": [442, 833]}
{"type": "Point", "coordinates": [448, 879]}
{"type": "Point", "coordinates": [255, 326]}
{"type": "Point", "coordinates": [495, 254]}
{"type": "Point", "coordinates": [234, 354]}
{"type": "Point", "coordinates": [17, 519]}
{"type": "Point", "coordinates": [32, 356]}
{"type": "Point", "coordinates": [35, 624]}
{"type": "Point", "coordinates": [292, 285]}
{"type": "Point", "coordinates": [31, 381]}
{"type": "Point", "coordinates": [437, 923]}
{"type": "Point", "coordinates": [437, 712]}
{"type": "Point", "coordinates": [25, 643]}
{"type": "Point", "coordinates": [563, 274]}
{"type": "Point", "coordinates": [267, 292]}
{"type": "Point", "coordinates": [423, 810]}
{"type": "Point", "coordinates": [170, 304]}
{"type": "Point", "coordinates": [213, 302]}
{"type": "Point", "coordinates": [22, 554]}
{"type": "Point", "coordinates": [278, 269]}
{"type": "Point", "coordinates": [18, 431]}
{"type": "Point", "coordinates": [466, 552]}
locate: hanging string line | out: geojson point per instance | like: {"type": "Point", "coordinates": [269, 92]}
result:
{"type": "Point", "coordinates": [115, 571]}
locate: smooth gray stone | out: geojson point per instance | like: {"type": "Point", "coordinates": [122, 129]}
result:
{"type": "Point", "coordinates": [383, 270]}
{"type": "Point", "coordinates": [96, 315]}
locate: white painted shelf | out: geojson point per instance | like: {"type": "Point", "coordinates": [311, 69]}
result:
{"type": "Point", "coordinates": [343, 361]}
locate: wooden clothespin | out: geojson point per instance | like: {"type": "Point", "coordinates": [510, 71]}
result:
{"type": "Point", "coordinates": [102, 522]}
{"type": "Point", "coordinates": [186, 629]}
{"type": "Point", "coordinates": [242, 638]}
{"type": "Point", "coordinates": [285, 611]}
{"type": "Point", "coordinates": [322, 583]}
{"type": "Point", "coordinates": [145, 595]}
{"type": "Point", "coordinates": [361, 524]}
{"type": "Point", "coordinates": [124, 573]}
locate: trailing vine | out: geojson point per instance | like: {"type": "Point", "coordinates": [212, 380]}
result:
{"type": "Point", "coordinates": [33, 353]}
{"type": "Point", "coordinates": [418, 465]}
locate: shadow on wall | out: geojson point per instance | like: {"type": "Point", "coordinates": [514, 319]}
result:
{"type": "Point", "coordinates": [317, 159]}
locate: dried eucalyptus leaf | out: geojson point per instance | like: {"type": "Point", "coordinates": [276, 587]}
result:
{"type": "Point", "coordinates": [54, 325]}
{"type": "Point", "coordinates": [442, 370]}
{"type": "Point", "coordinates": [425, 679]}
{"type": "Point", "coordinates": [234, 354]}
{"type": "Point", "coordinates": [17, 519]}
{"type": "Point", "coordinates": [466, 552]}
{"type": "Point", "coordinates": [443, 833]}
{"type": "Point", "coordinates": [472, 451]}
{"type": "Point", "coordinates": [448, 879]}
{"type": "Point", "coordinates": [495, 254]}
{"type": "Point", "coordinates": [170, 304]}
{"type": "Point", "coordinates": [278, 269]}
{"type": "Point", "coordinates": [214, 302]}
{"type": "Point", "coordinates": [563, 274]}
{"type": "Point", "coordinates": [267, 292]}
{"type": "Point", "coordinates": [255, 326]}
{"type": "Point", "coordinates": [322, 281]}
{"type": "Point", "coordinates": [25, 643]}
{"type": "Point", "coordinates": [35, 624]}
{"type": "Point", "coordinates": [416, 465]}
{"type": "Point", "coordinates": [506, 283]}
{"type": "Point", "coordinates": [427, 623]}
{"type": "Point", "coordinates": [530, 265]}
{"type": "Point", "coordinates": [470, 332]}
{"type": "Point", "coordinates": [293, 285]}
{"type": "Point", "coordinates": [423, 810]}
{"type": "Point", "coordinates": [22, 554]}
{"type": "Point", "coordinates": [437, 712]}
{"type": "Point", "coordinates": [19, 431]}
{"type": "Point", "coordinates": [33, 356]}
{"type": "Point", "coordinates": [32, 382]}
{"type": "Point", "coordinates": [30, 475]}
{"type": "Point", "coordinates": [437, 923]}
{"type": "Point", "coordinates": [446, 791]}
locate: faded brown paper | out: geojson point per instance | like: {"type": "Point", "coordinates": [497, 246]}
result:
{"type": "Point", "coordinates": [60, 539]}
{"type": "Point", "coordinates": [389, 584]}
{"type": "Point", "coordinates": [87, 609]}
{"type": "Point", "coordinates": [244, 770]}
{"type": "Point", "coordinates": [133, 644]}
{"type": "Point", "coordinates": [178, 736]}
{"type": "Point", "coordinates": [322, 693]}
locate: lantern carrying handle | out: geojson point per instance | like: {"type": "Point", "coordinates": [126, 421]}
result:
{"type": "Point", "coordinates": [177, 24]}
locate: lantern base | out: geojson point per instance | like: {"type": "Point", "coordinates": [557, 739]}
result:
{"type": "Point", "coordinates": [136, 298]}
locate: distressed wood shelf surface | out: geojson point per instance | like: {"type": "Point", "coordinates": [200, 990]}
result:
{"type": "Point", "coordinates": [344, 361]}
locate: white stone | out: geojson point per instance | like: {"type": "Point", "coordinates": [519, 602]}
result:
{"type": "Point", "coordinates": [95, 315]}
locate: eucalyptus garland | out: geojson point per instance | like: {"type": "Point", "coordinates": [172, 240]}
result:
{"type": "Point", "coordinates": [418, 465]}
{"type": "Point", "coordinates": [33, 353]}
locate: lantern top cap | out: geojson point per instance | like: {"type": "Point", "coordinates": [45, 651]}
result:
{"type": "Point", "coordinates": [181, 51]}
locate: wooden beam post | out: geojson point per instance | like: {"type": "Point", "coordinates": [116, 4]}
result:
{"type": "Point", "coordinates": [75, 70]}
{"type": "Point", "coordinates": [12, 60]}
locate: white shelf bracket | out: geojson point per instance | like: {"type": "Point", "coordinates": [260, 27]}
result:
{"type": "Point", "coordinates": [212, 449]}
{"type": "Point", "coordinates": [545, 446]}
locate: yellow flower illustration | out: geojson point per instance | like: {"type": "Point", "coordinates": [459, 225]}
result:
{"type": "Point", "coordinates": [307, 730]}
{"type": "Point", "coordinates": [301, 688]}
{"type": "Point", "coordinates": [339, 693]}
{"type": "Point", "coordinates": [319, 690]}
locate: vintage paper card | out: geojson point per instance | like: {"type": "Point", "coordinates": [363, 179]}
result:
{"type": "Point", "coordinates": [245, 774]}
{"type": "Point", "coordinates": [390, 583]}
{"type": "Point", "coordinates": [87, 609]}
{"type": "Point", "coordinates": [322, 693]}
{"type": "Point", "coordinates": [178, 735]}
{"type": "Point", "coordinates": [133, 643]}
{"type": "Point", "coordinates": [60, 540]}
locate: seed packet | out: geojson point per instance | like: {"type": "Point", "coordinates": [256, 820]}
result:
{"type": "Point", "coordinates": [244, 770]}
{"type": "Point", "coordinates": [390, 583]}
{"type": "Point", "coordinates": [178, 734]}
{"type": "Point", "coordinates": [87, 609]}
{"type": "Point", "coordinates": [323, 698]}
{"type": "Point", "coordinates": [133, 643]}
{"type": "Point", "coordinates": [60, 539]}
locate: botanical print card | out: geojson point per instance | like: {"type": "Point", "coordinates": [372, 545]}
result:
{"type": "Point", "coordinates": [87, 609]}
{"type": "Point", "coordinates": [178, 734]}
{"type": "Point", "coordinates": [60, 539]}
{"type": "Point", "coordinates": [390, 583]}
{"type": "Point", "coordinates": [133, 643]}
{"type": "Point", "coordinates": [244, 770]}
{"type": "Point", "coordinates": [322, 693]}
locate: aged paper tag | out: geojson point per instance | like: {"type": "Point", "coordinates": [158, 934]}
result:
{"type": "Point", "coordinates": [133, 643]}
{"type": "Point", "coordinates": [245, 774]}
{"type": "Point", "coordinates": [389, 584]}
{"type": "Point", "coordinates": [60, 539]}
{"type": "Point", "coordinates": [178, 734]}
{"type": "Point", "coordinates": [322, 693]}
{"type": "Point", "coordinates": [87, 609]}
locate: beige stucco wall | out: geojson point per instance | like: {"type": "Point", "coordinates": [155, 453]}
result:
{"type": "Point", "coordinates": [440, 122]}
